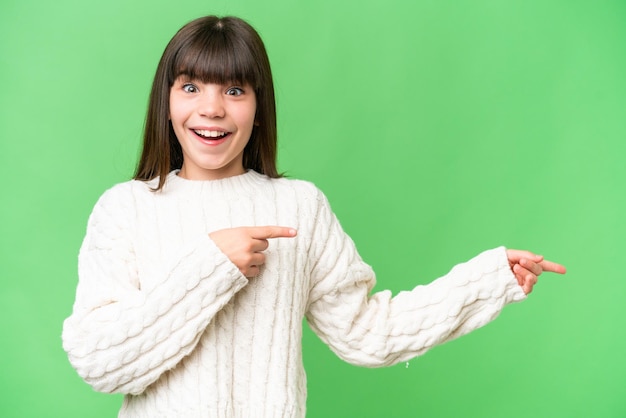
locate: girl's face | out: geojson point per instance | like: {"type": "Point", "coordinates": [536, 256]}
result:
{"type": "Point", "coordinates": [213, 123]}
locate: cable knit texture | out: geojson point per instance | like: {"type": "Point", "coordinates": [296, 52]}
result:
{"type": "Point", "coordinates": [164, 317]}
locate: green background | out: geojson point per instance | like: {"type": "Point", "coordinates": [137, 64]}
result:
{"type": "Point", "coordinates": [437, 129]}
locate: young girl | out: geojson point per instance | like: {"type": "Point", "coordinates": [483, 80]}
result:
{"type": "Point", "coordinates": [193, 281]}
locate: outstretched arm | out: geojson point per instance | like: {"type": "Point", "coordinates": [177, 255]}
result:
{"type": "Point", "coordinates": [376, 329]}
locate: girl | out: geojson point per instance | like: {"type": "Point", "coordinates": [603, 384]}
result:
{"type": "Point", "coordinates": [193, 280]}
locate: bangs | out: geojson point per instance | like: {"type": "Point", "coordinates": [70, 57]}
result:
{"type": "Point", "coordinates": [215, 57]}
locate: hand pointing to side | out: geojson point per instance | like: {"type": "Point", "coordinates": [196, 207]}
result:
{"type": "Point", "coordinates": [244, 246]}
{"type": "Point", "coordinates": [527, 267]}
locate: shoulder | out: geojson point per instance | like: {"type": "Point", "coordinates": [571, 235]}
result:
{"type": "Point", "coordinates": [125, 193]}
{"type": "Point", "coordinates": [122, 200]}
{"type": "Point", "coordinates": [303, 187]}
{"type": "Point", "coordinates": [303, 191]}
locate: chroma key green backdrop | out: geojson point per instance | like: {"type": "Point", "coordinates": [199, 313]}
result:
{"type": "Point", "coordinates": [437, 129]}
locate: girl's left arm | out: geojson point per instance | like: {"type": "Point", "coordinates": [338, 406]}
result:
{"type": "Point", "coordinates": [377, 329]}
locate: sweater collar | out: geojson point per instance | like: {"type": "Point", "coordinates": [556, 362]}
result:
{"type": "Point", "coordinates": [248, 180]}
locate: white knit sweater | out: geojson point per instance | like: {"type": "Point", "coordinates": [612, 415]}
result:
{"type": "Point", "coordinates": [164, 317]}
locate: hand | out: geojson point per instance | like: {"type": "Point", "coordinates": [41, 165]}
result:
{"type": "Point", "coordinates": [244, 246]}
{"type": "Point", "coordinates": [527, 267]}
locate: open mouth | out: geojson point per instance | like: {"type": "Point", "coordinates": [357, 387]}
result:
{"type": "Point", "coordinates": [211, 135]}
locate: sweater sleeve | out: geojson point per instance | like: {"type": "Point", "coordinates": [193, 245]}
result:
{"type": "Point", "coordinates": [120, 337]}
{"type": "Point", "coordinates": [375, 330]}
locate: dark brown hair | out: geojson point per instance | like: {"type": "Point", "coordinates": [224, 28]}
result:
{"type": "Point", "coordinates": [212, 50]}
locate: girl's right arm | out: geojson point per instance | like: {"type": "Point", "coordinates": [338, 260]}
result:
{"type": "Point", "coordinates": [120, 337]}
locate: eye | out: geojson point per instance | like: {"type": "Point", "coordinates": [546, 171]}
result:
{"type": "Point", "coordinates": [189, 88]}
{"type": "Point", "coordinates": [234, 91]}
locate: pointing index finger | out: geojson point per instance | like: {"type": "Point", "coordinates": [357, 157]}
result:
{"type": "Point", "coordinates": [271, 231]}
{"type": "Point", "coordinates": [552, 267]}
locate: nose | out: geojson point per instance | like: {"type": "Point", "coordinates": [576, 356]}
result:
{"type": "Point", "coordinates": [212, 104]}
